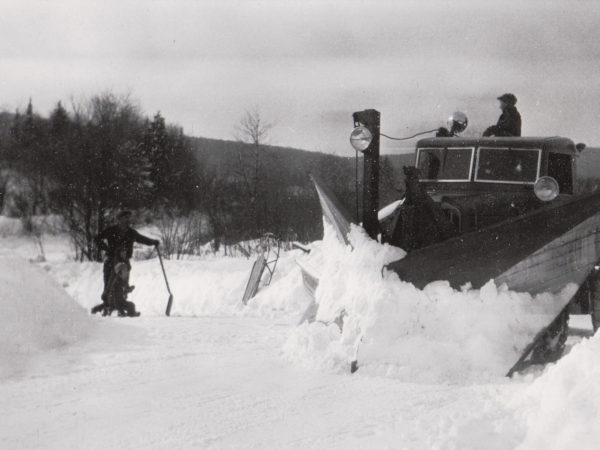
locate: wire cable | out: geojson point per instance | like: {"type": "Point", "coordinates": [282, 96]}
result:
{"type": "Point", "coordinates": [409, 137]}
{"type": "Point", "coordinates": [393, 139]}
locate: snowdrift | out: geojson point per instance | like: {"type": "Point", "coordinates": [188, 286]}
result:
{"type": "Point", "coordinates": [37, 314]}
{"type": "Point", "coordinates": [393, 329]}
{"type": "Point", "coordinates": [561, 408]}
{"type": "Point", "coordinates": [210, 286]}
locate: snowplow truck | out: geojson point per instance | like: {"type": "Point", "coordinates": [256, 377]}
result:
{"type": "Point", "coordinates": [509, 189]}
{"type": "Point", "coordinates": [503, 208]}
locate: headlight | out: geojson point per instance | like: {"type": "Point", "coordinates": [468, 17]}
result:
{"type": "Point", "coordinates": [361, 138]}
{"type": "Point", "coordinates": [546, 189]}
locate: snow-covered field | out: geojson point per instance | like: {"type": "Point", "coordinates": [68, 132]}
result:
{"type": "Point", "coordinates": [218, 374]}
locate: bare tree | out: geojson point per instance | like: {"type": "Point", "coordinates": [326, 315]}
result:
{"type": "Point", "coordinates": [253, 129]}
{"type": "Point", "coordinates": [181, 234]}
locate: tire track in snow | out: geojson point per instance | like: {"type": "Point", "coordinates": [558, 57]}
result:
{"type": "Point", "coordinates": [221, 383]}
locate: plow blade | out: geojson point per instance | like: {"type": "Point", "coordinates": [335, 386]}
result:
{"type": "Point", "coordinates": [538, 252]}
{"type": "Point", "coordinates": [333, 210]}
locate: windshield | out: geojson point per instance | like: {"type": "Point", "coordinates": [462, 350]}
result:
{"type": "Point", "coordinates": [445, 164]}
{"type": "Point", "coordinates": [507, 165]}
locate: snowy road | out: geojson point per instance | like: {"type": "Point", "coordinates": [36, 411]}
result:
{"type": "Point", "coordinates": [222, 383]}
{"type": "Point", "coordinates": [220, 375]}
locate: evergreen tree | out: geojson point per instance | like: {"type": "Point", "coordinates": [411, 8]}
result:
{"type": "Point", "coordinates": [173, 167]}
{"type": "Point", "coordinates": [156, 150]}
{"type": "Point", "coordinates": [58, 140]}
{"type": "Point", "coordinates": [31, 148]}
{"type": "Point", "coordinates": [15, 138]}
{"type": "Point", "coordinates": [59, 124]}
{"type": "Point", "coordinates": [183, 171]}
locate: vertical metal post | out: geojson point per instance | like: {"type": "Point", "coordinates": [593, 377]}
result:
{"type": "Point", "coordinates": [370, 118]}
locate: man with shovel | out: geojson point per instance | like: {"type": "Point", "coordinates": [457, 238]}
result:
{"type": "Point", "coordinates": [117, 241]}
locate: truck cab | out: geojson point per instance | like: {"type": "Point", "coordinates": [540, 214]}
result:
{"type": "Point", "coordinates": [481, 181]}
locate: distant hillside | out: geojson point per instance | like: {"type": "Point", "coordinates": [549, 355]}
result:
{"type": "Point", "coordinates": [289, 168]}
{"type": "Point", "coordinates": [399, 161]}
{"type": "Point", "coordinates": [223, 156]}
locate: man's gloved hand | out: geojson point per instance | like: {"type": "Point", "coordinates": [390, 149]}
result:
{"type": "Point", "coordinates": [156, 242]}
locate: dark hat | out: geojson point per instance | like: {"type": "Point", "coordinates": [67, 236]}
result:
{"type": "Point", "coordinates": [124, 213]}
{"type": "Point", "coordinates": [508, 98]}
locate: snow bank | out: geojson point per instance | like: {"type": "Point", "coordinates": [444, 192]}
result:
{"type": "Point", "coordinates": [393, 329]}
{"type": "Point", "coordinates": [389, 326]}
{"type": "Point", "coordinates": [201, 287]}
{"type": "Point", "coordinates": [48, 225]}
{"type": "Point", "coordinates": [10, 226]}
{"type": "Point", "coordinates": [286, 295]}
{"type": "Point", "coordinates": [36, 314]}
{"type": "Point", "coordinates": [561, 408]}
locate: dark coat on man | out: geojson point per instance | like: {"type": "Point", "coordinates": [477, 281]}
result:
{"type": "Point", "coordinates": [113, 239]}
{"type": "Point", "coordinates": [118, 245]}
{"type": "Point", "coordinates": [509, 123]}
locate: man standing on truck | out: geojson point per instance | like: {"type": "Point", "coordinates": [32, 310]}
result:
{"type": "Point", "coordinates": [118, 239]}
{"type": "Point", "coordinates": [509, 123]}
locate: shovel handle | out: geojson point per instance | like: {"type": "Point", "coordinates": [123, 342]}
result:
{"type": "Point", "coordinates": [170, 301]}
{"type": "Point", "coordinates": [163, 270]}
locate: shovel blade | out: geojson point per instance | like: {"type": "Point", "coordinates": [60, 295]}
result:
{"type": "Point", "coordinates": [169, 304]}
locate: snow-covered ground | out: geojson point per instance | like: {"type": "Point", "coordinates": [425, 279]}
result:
{"type": "Point", "coordinates": [217, 374]}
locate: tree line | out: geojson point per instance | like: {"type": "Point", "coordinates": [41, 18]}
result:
{"type": "Point", "coordinates": [103, 155]}
{"type": "Point", "coordinates": [87, 163]}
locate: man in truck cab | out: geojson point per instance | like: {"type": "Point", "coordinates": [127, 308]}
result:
{"type": "Point", "coordinates": [509, 123]}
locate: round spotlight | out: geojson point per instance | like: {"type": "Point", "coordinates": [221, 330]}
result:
{"type": "Point", "coordinates": [457, 122]}
{"type": "Point", "coordinates": [546, 189]}
{"type": "Point", "coordinates": [361, 138]}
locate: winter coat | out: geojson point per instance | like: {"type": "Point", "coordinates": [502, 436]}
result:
{"type": "Point", "coordinates": [112, 239]}
{"type": "Point", "coordinates": [509, 124]}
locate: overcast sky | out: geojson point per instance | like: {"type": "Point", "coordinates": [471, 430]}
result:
{"type": "Point", "coordinates": [308, 65]}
